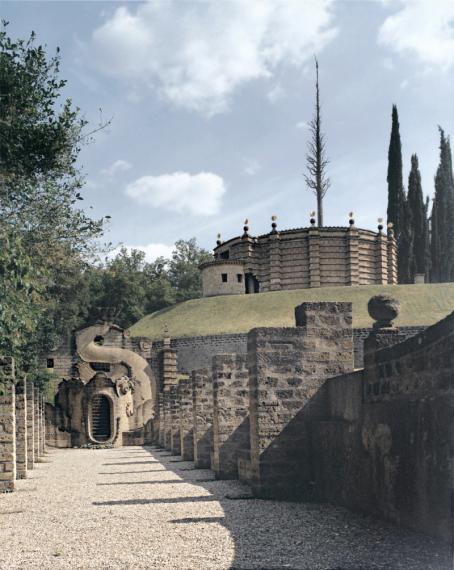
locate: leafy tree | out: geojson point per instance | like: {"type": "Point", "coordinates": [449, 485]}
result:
{"type": "Point", "coordinates": [442, 219]}
{"type": "Point", "coordinates": [419, 223]}
{"type": "Point", "coordinates": [316, 159]}
{"type": "Point", "coordinates": [40, 187]}
{"type": "Point", "coordinates": [183, 270]}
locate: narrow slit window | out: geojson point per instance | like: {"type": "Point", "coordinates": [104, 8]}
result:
{"type": "Point", "coordinates": [224, 277]}
{"type": "Point", "coordinates": [240, 277]}
{"type": "Point", "coordinates": [50, 363]}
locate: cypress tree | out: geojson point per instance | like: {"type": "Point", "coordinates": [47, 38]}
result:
{"type": "Point", "coordinates": [396, 196]}
{"type": "Point", "coordinates": [442, 220]}
{"type": "Point", "coordinates": [417, 211]}
{"type": "Point", "coordinates": [406, 261]}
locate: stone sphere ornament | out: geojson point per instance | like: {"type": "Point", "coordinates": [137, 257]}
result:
{"type": "Point", "coordinates": [383, 309]}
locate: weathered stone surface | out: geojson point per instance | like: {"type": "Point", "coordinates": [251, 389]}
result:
{"type": "Point", "coordinates": [287, 367]}
{"type": "Point", "coordinates": [37, 425]}
{"type": "Point", "coordinates": [31, 435]}
{"type": "Point", "coordinates": [7, 436]}
{"type": "Point", "coordinates": [175, 443]}
{"type": "Point", "coordinates": [230, 413]}
{"type": "Point", "coordinates": [21, 429]}
{"type": "Point", "coordinates": [186, 419]}
{"type": "Point", "coordinates": [202, 397]}
{"type": "Point", "coordinates": [383, 309]}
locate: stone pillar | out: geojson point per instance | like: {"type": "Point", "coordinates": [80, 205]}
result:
{"type": "Point", "coordinates": [21, 429]}
{"type": "Point", "coordinates": [161, 432]}
{"type": "Point", "coordinates": [202, 399]}
{"type": "Point", "coordinates": [30, 426]}
{"type": "Point", "coordinates": [168, 362]}
{"type": "Point", "coordinates": [42, 425]}
{"type": "Point", "coordinates": [167, 418]}
{"type": "Point", "coordinates": [175, 443]}
{"type": "Point", "coordinates": [287, 367]}
{"type": "Point", "coordinates": [230, 413]}
{"type": "Point", "coordinates": [392, 257]}
{"type": "Point", "coordinates": [186, 419]}
{"type": "Point", "coordinates": [36, 422]}
{"type": "Point", "coordinates": [314, 257]}
{"type": "Point", "coordinates": [353, 256]}
{"type": "Point", "coordinates": [275, 262]}
{"type": "Point", "coordinates": [7, 425]}
{"type": "Point", "coordinates": [381, 259]}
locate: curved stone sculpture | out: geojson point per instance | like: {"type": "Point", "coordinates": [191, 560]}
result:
{"type": "Point", "coordinates": [383, 309]}
{"type": "Point", "coordinates": [90, 351]}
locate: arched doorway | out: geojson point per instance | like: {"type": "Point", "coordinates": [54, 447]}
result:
{"type": "Point", "coordinates": [101, 429]}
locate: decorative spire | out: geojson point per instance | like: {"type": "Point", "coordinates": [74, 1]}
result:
{"type": "Point", "coordinates": [219, 239]}
{"type": "Point", "coordinates": [380, 225]}
{"type": "Point", "coordinates": [351, 219]}
{"type": "Point", "coordinates": [312, 219]}
{"type": "Point", "coordinates": [273, 224]}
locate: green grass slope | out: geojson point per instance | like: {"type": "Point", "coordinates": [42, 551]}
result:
{"type": "Point", "coordinates": [421, 305]}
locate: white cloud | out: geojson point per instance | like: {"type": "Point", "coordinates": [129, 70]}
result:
{"type": "Point", "coordinates": [196, 54]}
{"type": "Point", "coordinates": [117, 167]}
{"type": "Point", "coordinates": [199, 194]}
{"type": "Point", "coordinates": [252, 167]}
{"type": "Point", "coordinates": [276, 94]}
{"type": "Point", "coordinates": [424, 29]}
{"type": "Point", "coordinates": [152, 250]}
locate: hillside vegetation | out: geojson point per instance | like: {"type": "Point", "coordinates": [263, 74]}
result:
{"type": "Point", "coordinates": [421, 305]}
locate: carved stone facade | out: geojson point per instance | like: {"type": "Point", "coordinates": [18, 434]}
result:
{"type": "Point", "coordinates": [300, 259]}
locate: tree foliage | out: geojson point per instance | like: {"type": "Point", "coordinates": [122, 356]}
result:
{"type": "Point", "coordinates": [419, 222]}
{"type": "Point", "coordinates": [442, 219]}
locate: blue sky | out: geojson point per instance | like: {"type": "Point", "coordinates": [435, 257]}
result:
{"type": "Point", "coordinates": [210, 103]}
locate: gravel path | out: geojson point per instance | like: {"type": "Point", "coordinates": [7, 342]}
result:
{"type": "Point", "coordinates": [137, 508]}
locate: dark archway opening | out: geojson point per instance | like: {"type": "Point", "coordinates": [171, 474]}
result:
{"type": "Point", "coordinates": [252, 284]}
{"type": "Point", "coordinates": [100, 418]}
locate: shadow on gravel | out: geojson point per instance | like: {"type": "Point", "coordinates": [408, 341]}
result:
{"type": "Point", "coordinates": [296, 536]}
{"type": "Point", "coordinates": [130, 472]}
{"type": "Point", "coordinates": [171, 500]}
{"type": "Point", "coordinates": [278, 535]}
{"type": "Point", "coordinates": [132, 462]}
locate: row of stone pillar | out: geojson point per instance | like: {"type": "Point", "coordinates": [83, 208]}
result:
{"type": "Point", "coordinates": [240, 417]}
{"type": "Point", "coordinates": [22, 426]}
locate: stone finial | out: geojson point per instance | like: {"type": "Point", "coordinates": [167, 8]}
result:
{"type": "Point", "coordinates": [390, 228]}
{"type": "Point", "coordinates": [273, 224]}
{"type": "Point", "coordinates": [351, 219]}
{"type": "Point", "coordinates": [380, 225]}
{"type": "Point", "coordinates": [246, 228]}
{"type": "Point", "coordinates": [219, 239]}
{"type": "Point", "coordinates": [312, 219]}
{"type": "Point", "coordinates": [383, 309]}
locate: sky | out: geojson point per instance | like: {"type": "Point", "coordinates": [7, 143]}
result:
{"type": "Point", "coordinates": [210, 102]}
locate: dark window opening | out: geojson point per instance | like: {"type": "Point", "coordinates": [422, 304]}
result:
{"type": "Point", "coordinates": [240, 277]}
{"type": "Point", "coordinates": [99, 340]}
{"type": "Point", "coordinates": [225, 254]}
{"type": "Point", "coordinates": [50, 363]}
{"type": "Point", "coordinates": [224, 277]}
{"type": "Point", "coordinates": [100, 366]}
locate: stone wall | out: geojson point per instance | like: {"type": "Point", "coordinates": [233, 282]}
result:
{"type": "Point", "coordinates": [202, 402]}
{"type": "Point", "coordinates": [287, 366]}
{"type": "Point", "coordinates": [230, 413]}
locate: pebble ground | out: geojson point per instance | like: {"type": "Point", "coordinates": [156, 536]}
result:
{"type": "Point", "coordinates": [140, 508]}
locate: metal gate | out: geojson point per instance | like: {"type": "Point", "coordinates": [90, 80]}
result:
{"type": "Point", "coordinates": [100, 418]}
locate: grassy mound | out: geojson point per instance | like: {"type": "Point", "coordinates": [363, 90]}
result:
{"type": "Point", "coordinates": [421, 305]}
